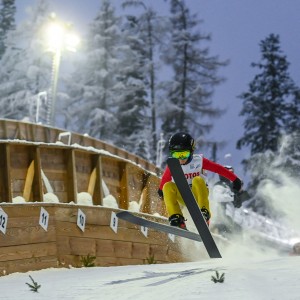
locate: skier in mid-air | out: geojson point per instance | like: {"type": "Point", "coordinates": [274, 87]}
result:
{"type": "Point", "coordinates": [181, 147]}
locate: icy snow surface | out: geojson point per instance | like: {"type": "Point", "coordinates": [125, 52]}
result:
{"type": "Point", "coordinates": [253, 278]}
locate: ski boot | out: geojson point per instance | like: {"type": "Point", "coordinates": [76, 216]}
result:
{"type": "Point", "coordinates": [206, 215]}
{"type": "Point", "coordinates": [178, 221]}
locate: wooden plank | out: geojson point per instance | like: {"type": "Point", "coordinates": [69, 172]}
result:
{"type": "Point", "coordinates": [92, 182]}
{"type": "Point", "coordinates": [82, 246]}
{"type": "Point", "coordinates": [105, 248]}
{"type": "Point", "coordinates": [28, 235]}
{"type": "Point", "coordinates": [98, 190]}
{"type": "Point", "coordinates": [28, 210]}
{"type": "Point", "coordinates": [123, 249]}
{"type": "Point", "coordinates": [123, 200]}
{"type": "Point", "coordinates": [27, 251]}
{"type": "Point", "coordinates": [24, 222]}
{"type": "Point", "coordinates": [71, 183]}
{"type": "Point", "coordinates": [136, 182]}
{"type": "Point", "coordinates": [84, 167]}
{"type": "Point", "coordinates": [63, 245]}
{"type": "Point", "coordinates": [140, 250]}
{"type": "Point", "coordinates": [159, 252]}
{"type": "Point", "coordinates": [30, 264]}
{"type": "Point", "coordinates": [5, 178]}
{"type": "Point", "coordinates": [37, 188]}
{"type": "Point", "coordinates": [28, 182]}
{"type": "Point", "coordinates": [175, 256]}
{"type": "Point", "coordinates": [94, 215]}
{"type": "Point", "coordinates": [105, 232]}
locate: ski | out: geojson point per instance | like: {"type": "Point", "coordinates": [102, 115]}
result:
{"type": "Point", "coordinates": [129, 217]}
{"type": "Point", "coordinates": [193, 208]}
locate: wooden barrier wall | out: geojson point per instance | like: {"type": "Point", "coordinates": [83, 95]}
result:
{"type": "Point", "coordinates": [34, 165]}
{"type": "Point", "coordinates": [27, 246]}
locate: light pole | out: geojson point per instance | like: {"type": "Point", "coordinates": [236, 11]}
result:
{"type": "Point", "coordinates": [159, 150]}
{"type": "Point", "coordinates": [59, 38]}
{"type": "Point", "coordinates": [39, 99]}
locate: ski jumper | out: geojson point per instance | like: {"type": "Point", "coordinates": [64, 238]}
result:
{"type": "Point", "coordinates": [194, 173]}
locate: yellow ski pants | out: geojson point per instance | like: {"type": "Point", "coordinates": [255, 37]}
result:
{"type": "Point", "coordinates": [173, 199]}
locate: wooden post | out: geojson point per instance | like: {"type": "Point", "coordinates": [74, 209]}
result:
{"type": "Point", "coordinates": [5, 183]}
{"type": "Point", "coordinates": [95, 183]}
{"type": "Point", "coordinates": [71, 176]}
{"type": "Point", "coordinates": [123, 201]}
{"type": "Point", "coordinates": [28, 182]}
{"type": "Point", "coordinates": [33, 187]}
{"type": "Point", "coordinates": [37, 188]}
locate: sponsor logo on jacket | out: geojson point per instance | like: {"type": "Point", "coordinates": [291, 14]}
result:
{"type": "Point", "coordinates": [191, 175]}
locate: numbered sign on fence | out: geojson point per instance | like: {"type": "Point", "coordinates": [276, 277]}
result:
{"type": "Point", "coordinates": [144, 230]}
{"type": "Point", "coordinates": [44, 219]}
{"type": "Point", "coordinates": [3, 221]}
{"type": "Point", "coordinates": [114, 222]}
{"type": "Point", "coordinates": [81, 219]}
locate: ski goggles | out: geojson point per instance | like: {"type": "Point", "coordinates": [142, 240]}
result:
{"type": "Point", "coordinates": [181, 154]}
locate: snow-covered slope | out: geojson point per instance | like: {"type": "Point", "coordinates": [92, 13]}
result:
{"type": "Point", "coordinates": [246, 278]}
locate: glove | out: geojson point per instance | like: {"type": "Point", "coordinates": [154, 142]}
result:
{"type": "Point", "coordinates": [237, 185]}
{"type": "Point", "coordinates": [160, 194]}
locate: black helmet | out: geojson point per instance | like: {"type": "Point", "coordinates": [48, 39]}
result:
{"type": "Point", "coordinates": [181, 141]}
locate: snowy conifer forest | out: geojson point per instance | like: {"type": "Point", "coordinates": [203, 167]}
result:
{"type": "Point", "coordinates": [116, 76]}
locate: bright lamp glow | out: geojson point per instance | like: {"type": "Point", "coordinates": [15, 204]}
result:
{"type": "Point", "coordinates": [55, 36]}
{"type": "Point", "coordinates": [59, 38]}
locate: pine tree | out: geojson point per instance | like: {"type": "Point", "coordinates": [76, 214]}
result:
{"type": "Point", "coordinates": [130, 99]}
{"type": "Point", "coordinates": [188, 95]}
{"type": "Point", "coordinates": [288, 157]}
{"type": "Point", "coordinates": [265, 104]}
{"type": "Point", "coordinates": [7, 22]}
{"type": "Point", "coordinates": [151, 29]}
{"type": "Point", "coordinates": [25, 68]}
{"type": "Point", "coordinates": [91, 88]}
{"type": "Point", "coordinates": [292, 120]}
{"type": "Point", "coordinates": [272, 125]}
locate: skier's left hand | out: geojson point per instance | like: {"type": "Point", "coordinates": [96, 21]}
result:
{"type": "Point", "coordinates": [160, 194]}
{"type": "Point", "coordinates": [237, 185]}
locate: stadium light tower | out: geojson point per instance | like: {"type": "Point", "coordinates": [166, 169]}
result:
{"type": "Point", "coordinates": [59, 37]}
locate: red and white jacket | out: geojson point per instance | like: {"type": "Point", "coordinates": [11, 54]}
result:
{"type": "Point", "coordinates": [196, 167]}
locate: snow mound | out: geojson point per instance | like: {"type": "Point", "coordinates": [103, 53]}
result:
{"type": "Point", "coordinates": [84, 198]}
{"type": "Point", "coordinates": [110, 201]}
{"type": "Point", "coordinates": [133, 206]}
{"type": "Point", "coordinates": [50, 198]}
{"type": "Point", "coordinates": [18, 199]}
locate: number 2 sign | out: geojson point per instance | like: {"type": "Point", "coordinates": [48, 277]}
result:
{"type": "Point", "coordinates": [3, 221]}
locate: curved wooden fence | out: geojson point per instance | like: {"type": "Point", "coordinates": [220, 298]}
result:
{"type": "Point", "coordinates": [33, 155]}
{"type": "Point", "coordinates": [62, 178]}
